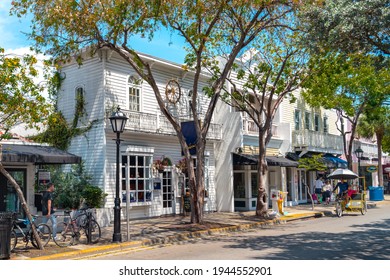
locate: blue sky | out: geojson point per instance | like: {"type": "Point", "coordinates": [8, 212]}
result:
{"type": "Point", "coordinates": [14, 41]}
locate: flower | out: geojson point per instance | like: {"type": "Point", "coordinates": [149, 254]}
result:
{"type": "Point", "coordinates": [182, 165]}
{"type": "Point", "coordinates": [160, 164]}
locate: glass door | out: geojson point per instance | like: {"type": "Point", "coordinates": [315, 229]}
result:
{"type": "Point", "coordinates": [168, 193]}
{"type": "Point", "coordinates": [301, 186]}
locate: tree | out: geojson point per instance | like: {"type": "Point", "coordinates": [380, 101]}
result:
{"type": "Point", "coordinates": [268, 75]}
{"type": "Point", "coordinates": [349, 83]}
{"type": "Point", "coordinates": [210, 28]}
{"type": "Point", "coordinates": [21, 101]}
{"type": "Point", "coordinates": [375, 123]}
{"type": "Point", "coordinates": [349, 26]}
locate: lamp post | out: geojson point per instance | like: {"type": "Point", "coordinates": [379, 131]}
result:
{"type": "Point", "coordinates": [359, 155]}
{"type": "Point", "coordinates": [118, 122]}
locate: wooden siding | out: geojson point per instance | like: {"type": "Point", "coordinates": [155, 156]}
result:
{"type": "Point", "coordinates": [163, 146]}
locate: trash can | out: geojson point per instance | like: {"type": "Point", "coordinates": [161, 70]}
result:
{"type": "Point", "coordinates": [6, 219]}
{"type": "Point", "coordinates": [376, 193]}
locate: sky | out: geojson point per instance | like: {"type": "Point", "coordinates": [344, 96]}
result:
{"type": "Point", "coordinates": [14, 41]}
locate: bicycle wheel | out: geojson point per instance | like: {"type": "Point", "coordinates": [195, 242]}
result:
{"type": "Point", "coordinates": [44, 233]}
{"type": "Point", "coordinates": [339, 210]}
{"type": "Point", "coordinates": [66, 236]}
{"type": "Point", "coordinates": [14, 239]}
{"type": "Point", "coordinates": [95, 231]}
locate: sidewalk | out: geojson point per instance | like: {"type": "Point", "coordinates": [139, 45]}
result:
{"type": "Point", "coordinates": [171, 229]}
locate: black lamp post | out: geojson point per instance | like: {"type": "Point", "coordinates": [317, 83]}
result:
{"type": "Point", "coordinates": [359, 155]}
{"type": "Point", "coordinates": [118, 122]}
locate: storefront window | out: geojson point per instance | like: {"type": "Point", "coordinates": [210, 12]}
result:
{"type": "Point", "coordinates": [255, 189]}
{"type": "Point", "coordinates": [9, 200]}
{"type": "Point", "coordinates": [136, 173]}
{"type": "Point", "coordinates": [239, 185]}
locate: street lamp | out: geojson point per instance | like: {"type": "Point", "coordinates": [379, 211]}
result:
{"type": "Point", "coordinates": [118, 122]}
{"type": "Point", "coordinates": [359, 155]}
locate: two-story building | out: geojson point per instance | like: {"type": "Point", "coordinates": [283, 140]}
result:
{"type": "Point", "coordinates": [105, 82]}
{"type": "Point", "coordinates": [297, 131]}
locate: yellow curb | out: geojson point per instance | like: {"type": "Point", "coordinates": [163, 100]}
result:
{"type": "Point", "coordinates": [91, 250]}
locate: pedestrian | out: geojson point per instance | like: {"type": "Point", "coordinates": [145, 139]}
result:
{"type": "Point", "coordinates": [327, 191]}
{"type": "Point", "coordinates": [48, 208]}
{"type": "Point", "coordinates": [318, 186]}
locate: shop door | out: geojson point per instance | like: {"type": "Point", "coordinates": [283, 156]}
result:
{"type": "Point", "coordinates": [302, 186]}
{"type": "Point", "coordinates": [168, 194]}
{"type": "Point", "coordinates": [9, 201]}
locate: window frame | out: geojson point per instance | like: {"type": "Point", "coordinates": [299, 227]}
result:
{"type": "Point", "coordinates": [308, 121]}
{"type": "Point", "coordinates": [138, 175]}
{"type": "Point", "coordinates": [134, 86]}
{"type": "Point", "coordinates": [297, 119]}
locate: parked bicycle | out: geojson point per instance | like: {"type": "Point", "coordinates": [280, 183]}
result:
{"type": "Point", "coordinates": [27, 235]}
{"type": "Point", "coordinates": [81, 226]}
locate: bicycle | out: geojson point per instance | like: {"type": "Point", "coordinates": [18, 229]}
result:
{"type": "Point", "coordinates": [43, 230]}
{"type": "Point", "coordinates": [75, 228]}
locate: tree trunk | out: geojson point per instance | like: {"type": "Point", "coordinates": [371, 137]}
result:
{"type": "Point", "coordinates": [262, 197]}
{"type": "Point", "coordinates": [311, 197]}
{"type": "Point", "coordinates": [23, 202]}
{"type": "Point", "coordinates": [197, 186]}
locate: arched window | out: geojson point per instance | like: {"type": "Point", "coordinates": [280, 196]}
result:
{"type": "Point", "coordinates": [134, 93]}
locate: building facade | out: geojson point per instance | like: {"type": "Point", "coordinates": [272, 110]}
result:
{"type": "Point", "coordinates": [105, 82]}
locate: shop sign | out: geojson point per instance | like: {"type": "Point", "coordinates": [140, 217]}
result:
{"type": "Point", "coordinates": [372, 169]}
{"type": "Point", "coordinates": [43, 177]}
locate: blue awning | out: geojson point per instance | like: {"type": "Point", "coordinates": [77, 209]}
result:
{"type": "Point", "coordinates": [336, 161]}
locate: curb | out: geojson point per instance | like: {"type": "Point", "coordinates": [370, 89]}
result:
{"type": "Point", "coordinates": [141, 244]}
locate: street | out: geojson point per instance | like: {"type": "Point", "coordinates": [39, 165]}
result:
{"type": "Point", "coordinates": [353, 236]}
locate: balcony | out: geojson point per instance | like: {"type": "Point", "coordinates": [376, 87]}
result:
{"type": "Point", "coordinates": [158, 124]}
{"type": "Point", "coordinates": [317, 141]}
{"type": "Point", "coordinates": [250, 128]}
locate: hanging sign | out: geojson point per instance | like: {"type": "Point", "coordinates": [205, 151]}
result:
{"type": "Point", "coordinates": [43, 177]}
{"type": "Point", "coordinates": [372, 168]}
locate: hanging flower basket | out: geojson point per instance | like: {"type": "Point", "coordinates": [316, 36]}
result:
{"type": "Point", "coordinates": [160, 164]}
{"type": "Point", "coordinates": [181, 165]}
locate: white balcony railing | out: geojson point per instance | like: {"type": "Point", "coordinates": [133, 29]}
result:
{"type": "Point", "coordinates": [317, 140]}
{"type": "Point", "coordinates": [158, 124]}
{"type": "Point", "coordinates": [250, 128]}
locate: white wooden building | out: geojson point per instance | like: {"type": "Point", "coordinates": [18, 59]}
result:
{"type": "Point", "coordinates": [106, 81]}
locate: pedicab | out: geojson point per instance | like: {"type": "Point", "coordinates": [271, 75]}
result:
{"type": "Point", "coordinates": [357, 201]}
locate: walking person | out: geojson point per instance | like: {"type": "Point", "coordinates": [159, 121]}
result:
{"type": "Point", "coordinates": [318, 187]}
{"type": "Point", "coordinates": [48, 208]}
{"type": "Point", "coordinates": [327, 191]}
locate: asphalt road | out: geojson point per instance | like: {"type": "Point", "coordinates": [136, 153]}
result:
{"type": "Point", "coordinates": [352, 236]}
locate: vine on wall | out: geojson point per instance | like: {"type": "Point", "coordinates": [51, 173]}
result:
{"type": "Point", "coordinates": [59, 132]}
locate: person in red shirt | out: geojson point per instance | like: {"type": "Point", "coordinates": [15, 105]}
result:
{"type": "Point", "coordinates": [348, 195]}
